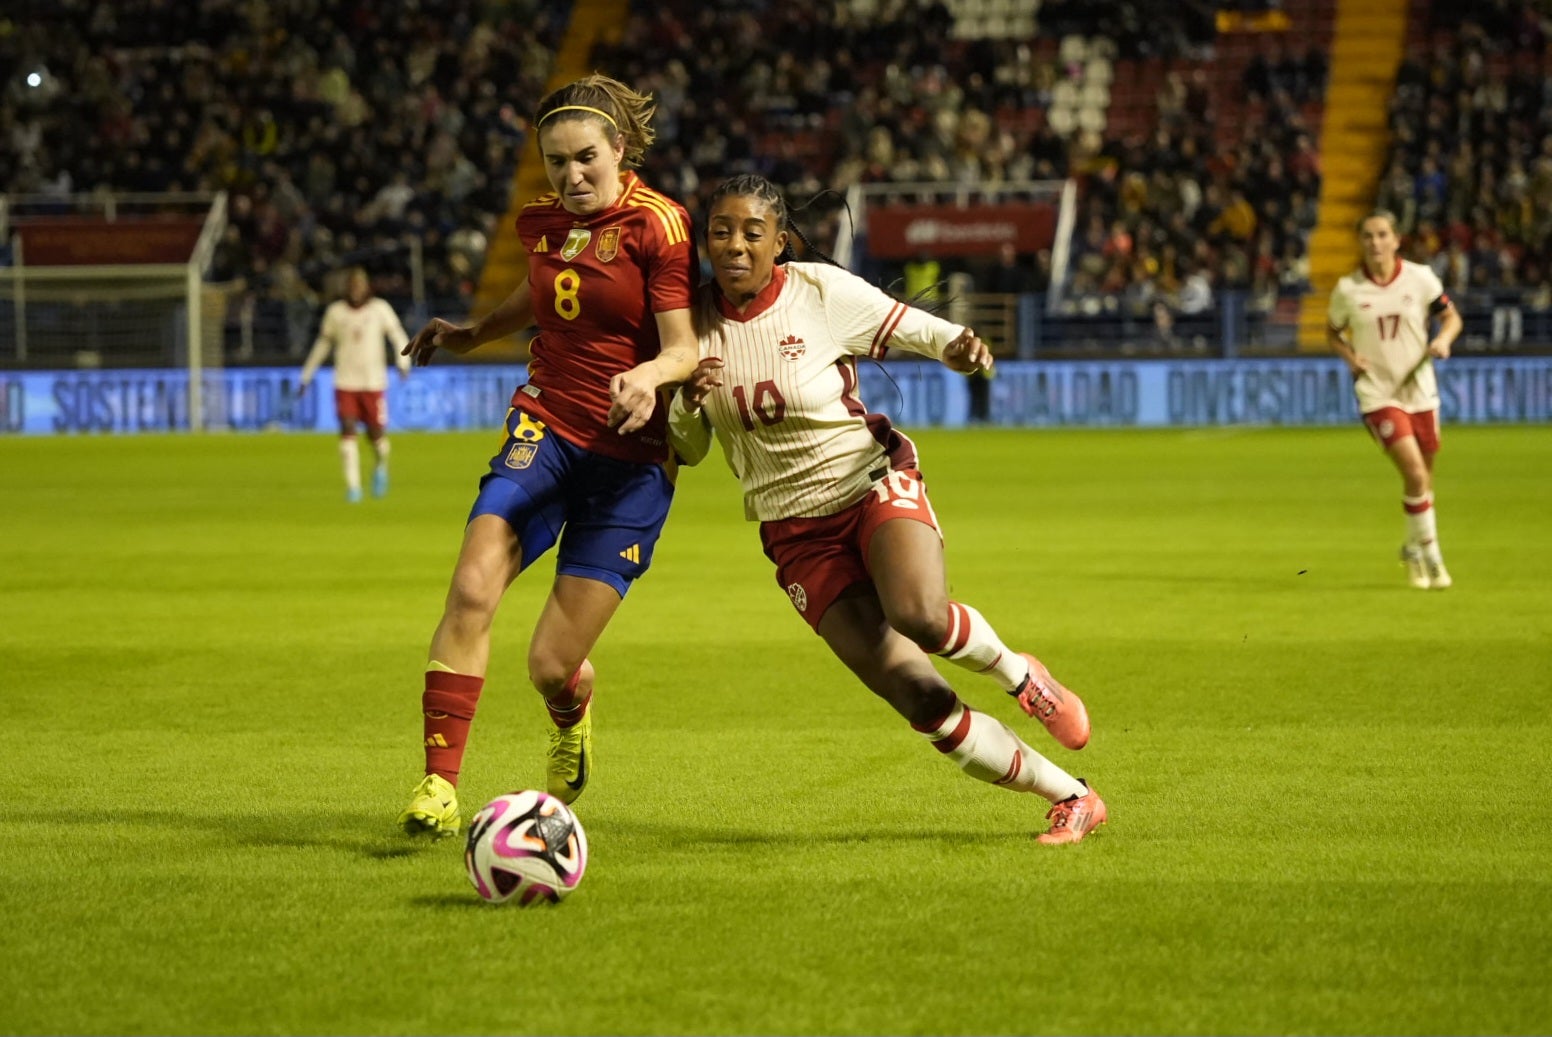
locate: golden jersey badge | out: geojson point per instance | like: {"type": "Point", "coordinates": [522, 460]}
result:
{"type": "Point", "coordinates": [576, 241]}
{"type": "Point", "coordinates": [521, 455]}
{"type": "Point", "coordinates": [608, 244]}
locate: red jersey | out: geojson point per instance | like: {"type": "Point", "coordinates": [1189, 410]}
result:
{"type": "Point", "coordinates": [597, 282]}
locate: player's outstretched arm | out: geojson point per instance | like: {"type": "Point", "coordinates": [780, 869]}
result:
{"type": "Point", "coordinates": [514, 314]}
{"type": "Point", "coordinates": [689, 431]}
{"type": "Point", "coordinates": [633, 394]}
{"type": "Point", "coordinates": [967, 354]}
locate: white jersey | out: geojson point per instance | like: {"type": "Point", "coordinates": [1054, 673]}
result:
{"type": "Point", "coordinates": [1387, 325]}
{"type": "Point", "coordinates": [788, 414]}
{"type": "Point", "coordinates": [355, 334]}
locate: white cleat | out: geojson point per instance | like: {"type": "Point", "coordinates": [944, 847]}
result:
{"type": "Point", "coordinates": [1438, 575]}
{"type": "Point", "coordinates": [1417, 569]}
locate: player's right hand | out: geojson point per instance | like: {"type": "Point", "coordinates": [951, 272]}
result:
{"type": "Point", "coordinates": [701, 381]}
{"type": "Point", "coordinates": [1358, 367]}
{"type": "Point", "coordinates": [439, 334]}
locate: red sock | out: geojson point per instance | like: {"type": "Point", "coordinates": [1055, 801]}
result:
{"type": "Point", "coordinates": [448, 704]}
{"type": "Point", "coordinates": [570, 709]}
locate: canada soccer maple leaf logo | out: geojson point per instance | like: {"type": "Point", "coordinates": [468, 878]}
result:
{"type": "Point", "coordinates": [791, 347]}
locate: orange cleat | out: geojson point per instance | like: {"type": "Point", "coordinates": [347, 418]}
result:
{"type": "Point", "coordinates": [1044, 698]}
{"type": "Point", "coordinates": [1075, 817]}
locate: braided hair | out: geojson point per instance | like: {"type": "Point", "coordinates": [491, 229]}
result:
{"type": "Point", "coordinates": [753, 185]}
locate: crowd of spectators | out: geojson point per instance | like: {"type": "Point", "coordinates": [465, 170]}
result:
{"type": "Point", "coordinates": [1171, 221]}
{"type": "Point", "coordinates": [342, 132]}
{"type": "Point", "coordinates": [825, 96]}
{"type": "Point", "coordinates": [1470, 170]}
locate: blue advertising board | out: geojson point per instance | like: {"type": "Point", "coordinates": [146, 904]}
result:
{"type": "Point", "coordinates": [1033, 394]}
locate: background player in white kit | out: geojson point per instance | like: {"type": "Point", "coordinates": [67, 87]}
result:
{"type": "Point", "coordinates": [355, 329]}
{"type": "Point", "coordinates": [843, 510]}
{"type": "Point", "coordinates": [1378, 321]}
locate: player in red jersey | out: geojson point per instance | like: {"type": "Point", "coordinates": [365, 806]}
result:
{"type": "Point", "coordinates": [611, 268]}
{"type": "Point", "coordinates": [843, 509]}
{"type": "Point", "coordinates": [1378, 322]}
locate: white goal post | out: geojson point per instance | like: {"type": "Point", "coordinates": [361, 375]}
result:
{"type": "Point", "coordinates": [955, 219]}
{"type": "Point", "coordinates": [113, 281]}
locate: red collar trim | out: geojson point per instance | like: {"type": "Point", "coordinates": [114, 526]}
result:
{"type": "Point", "coordinates": [1375, 280]}
{"type": "Point", "coordinates": [760, 303]}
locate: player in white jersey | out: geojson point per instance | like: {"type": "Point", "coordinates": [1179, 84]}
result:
{"type": "Point", "coordinates": [1378, 322]}
{"type": "Point", "coordinates": [354, 329]}
{"type": "Point", "coordinates": [842, 506]}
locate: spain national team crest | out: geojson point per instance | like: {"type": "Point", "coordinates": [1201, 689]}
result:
{"type": "Point", "coordinates": [791, 348]}
{"type": "Point", "coordinates": [521, 455]}
{"type": "Point", "coordinates": [576, 241]}
{"type": "Point", "coordinates": [799, 597]}
{"type": "Point", "coordinates": [608, 244]}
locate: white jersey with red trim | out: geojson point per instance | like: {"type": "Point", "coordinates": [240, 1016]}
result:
{"type": "Point", "coordinates": [788, 414]}
{"type": "Point", "coordinates": [355, 334]}
{"type": "Point", "coordinates": [1387, 325]}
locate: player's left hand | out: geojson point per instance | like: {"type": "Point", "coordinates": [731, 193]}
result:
{"type": "Point", "coordinates": [632, 399]}
{"type": "Point", "coordinates": [1439, 350]}
{"type": "Point", "coordinates": [967, 354]}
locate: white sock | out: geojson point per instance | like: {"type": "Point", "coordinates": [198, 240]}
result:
{"type": "Point", "coordinates": [973, 644]}
{"type": "Point", "coordinates": [350, 461]}
{"type": "Point", "coordinates": [988, 750]}
{"type": "Point", "coordinates": [1422, 524]}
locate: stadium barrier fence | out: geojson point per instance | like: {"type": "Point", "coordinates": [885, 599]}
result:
{"type": "Point", "coordinates": [1165, 393]}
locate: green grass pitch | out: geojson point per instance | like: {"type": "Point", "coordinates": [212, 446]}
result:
{"type": "Point", "coordinates": [1330, 800]}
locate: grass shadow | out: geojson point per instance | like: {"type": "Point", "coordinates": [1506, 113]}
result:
{"type": "Point", "coordinates": [342, 831]}
{"type": "Point", "coordinates": [678, 834]}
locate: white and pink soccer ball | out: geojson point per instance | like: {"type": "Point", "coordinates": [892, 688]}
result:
{"type": "Point", "coordinates": [526, 847]}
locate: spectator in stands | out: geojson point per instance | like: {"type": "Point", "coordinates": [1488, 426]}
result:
{"type": "Point", "coordinates": [172, 113]}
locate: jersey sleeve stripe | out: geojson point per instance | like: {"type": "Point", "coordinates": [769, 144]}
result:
{"type": "Point", "coordinates": [665, 204]}
{"type": "Point", "coordinates": [548, 201]}
{"type": "Point", "coordinates": [672, 225]}
{"type": "Point", "coordinates": [886, 330]}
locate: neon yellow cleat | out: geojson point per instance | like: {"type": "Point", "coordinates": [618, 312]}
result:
{"type": "Point", "coordinates": [570, 758]}
{"type": "Point", "coordinates": [433, 811]}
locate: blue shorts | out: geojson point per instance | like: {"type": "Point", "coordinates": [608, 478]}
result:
{"type": "Point", "coordinates": [606, 514]}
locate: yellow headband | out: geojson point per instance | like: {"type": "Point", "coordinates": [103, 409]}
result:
{"type": "Point", "coordinates": [581, 108]}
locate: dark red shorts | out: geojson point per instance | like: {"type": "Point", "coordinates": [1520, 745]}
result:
{"type": "Point", "coordinates": [369, 407]}
{"type": "Point", "coordinates": [1389, 424]}
{"type": "Point", "coordinates": [818, 558]}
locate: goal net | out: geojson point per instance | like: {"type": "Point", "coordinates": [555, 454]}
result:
{"type": "Point", "coordinates": [93, 282]}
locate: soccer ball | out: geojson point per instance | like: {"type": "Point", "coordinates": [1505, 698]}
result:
{"type": "Point", "coordinates": [525, 846]}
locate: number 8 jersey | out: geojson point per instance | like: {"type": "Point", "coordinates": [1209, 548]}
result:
{"type": "Point", "coordinates": [597, 282]}
{"type": "Point", "coordinates": [788, 414]}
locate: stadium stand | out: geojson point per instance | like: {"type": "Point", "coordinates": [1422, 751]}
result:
{"type": "Point", "coordinates": [1222, 149]}
{"type": "Point", "coordinates": [1469, 171]}
{"type": "Point", "coordinates": [344, 134]}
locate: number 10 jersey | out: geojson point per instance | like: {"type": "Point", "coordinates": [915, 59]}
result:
{"type": "Point", "coordinates": [788, 413]}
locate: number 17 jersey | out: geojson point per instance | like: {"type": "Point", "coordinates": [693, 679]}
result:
{"type": "Point", "coordinates": [598, 282]}
{"type": "Point", "coordinates": [1387, 324]}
